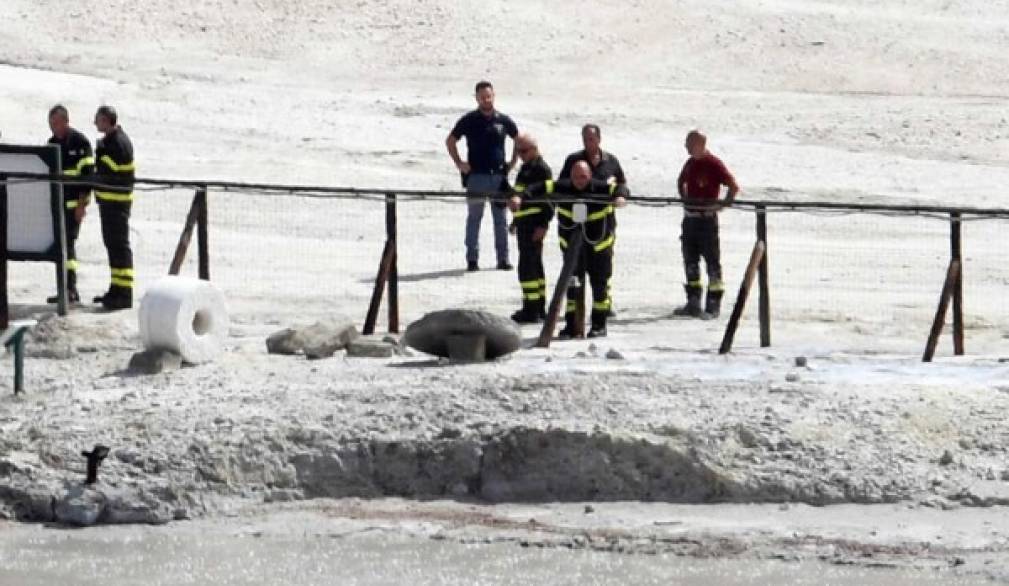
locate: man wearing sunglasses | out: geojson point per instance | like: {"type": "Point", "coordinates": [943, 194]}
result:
{"type": "Point", "coordinates": [531, 220]}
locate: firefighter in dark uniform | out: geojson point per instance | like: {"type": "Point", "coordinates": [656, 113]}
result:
{"type": "Point", "coordinates": [699, 183]}
{"type": "Point", "coordinates": [530, 222]}
{"type": "Point", "coordinates": [78, 163]}
{"type": "Point", "coordinates": [115, 174]}
{"type": "Point", "coordinates": [605, 166]}
{"type": "Point", "coordinates": [598, 229]}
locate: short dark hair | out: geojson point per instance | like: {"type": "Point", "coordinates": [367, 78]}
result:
{"type": "Point", "coordinates": [593, 128]}
{"type": "Point", "coordinates": [59, 109]}
{"type": "Point", "coordinates": [109, 112]}
{"type": "Point", "coordinates": [482, 85]}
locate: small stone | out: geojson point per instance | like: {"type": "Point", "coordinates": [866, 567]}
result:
{"type": "Point", "coordinates": [81, 506]}
{"type": "Point", "coordinates": [580, 355]}
{"type": "Point", "coordinates": [154, 362]}
{"type": "Point", "coordinates": [589, 509]}
{"type": "Point", "coordinates": [792, 377]}
{"type": "Point", "coordinates": [613, 354]}
{"type": "Point", "coordinates": [370, 348]}
{"type": "Point", "coordinates": [946, 459]}
{"type": "Point", "coordinates": [800, 361]}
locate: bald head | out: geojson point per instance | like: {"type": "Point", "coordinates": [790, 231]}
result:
{"type": "Point", "coordinates": [696, 143]}
{"type": "Point", "coordinates": [526, 146]}
{"type": "Point", "coordinates": [581, 174]}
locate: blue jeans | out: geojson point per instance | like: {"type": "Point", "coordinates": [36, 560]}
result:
{"type": "Point", "coordinates": [485, 183]}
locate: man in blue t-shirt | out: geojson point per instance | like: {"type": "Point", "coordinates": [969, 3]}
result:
{"type": "Point", "coordinates": [484, 171]}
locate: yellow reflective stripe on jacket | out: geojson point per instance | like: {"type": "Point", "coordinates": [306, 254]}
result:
{"type": "Point", "coordinates": [79, 167]}
{"type": "Point", "coordinates": [549, 186]}
{"type": "Point", "coordinates": [72, 204]}
{"type": "Point", "coordinates": [124, 168]}
{"type": "Point", "coordinates": [571, 306]}
{"type": "Point", "coordinates": [520, 187]}
{"type": "Point", "coordinates": [604, 244]}
{"type": "Point", "coordinates": [601, 305]}
{"type": "Point", "coordinates": [112, 196]}
{"type": "Point", "coordinates": [527, 212]}
{"type": "Point", "coordinates": [565, 212]}
{"type": "Point", "coordinates": [600, 214]}
{"type": "Point", "coordinates": [563, 241]}
{"type": "Point", "coordinates": [72, 265]}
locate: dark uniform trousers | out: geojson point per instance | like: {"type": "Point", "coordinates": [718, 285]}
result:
{"type": "Point", "coordinates": [115, 217]}
{"type": "Point", "coordinates": [699, 239]}
{"type": "Point", "coordinates": [73, 231]}
{"type": "Point", "coordinates": [596, 262]}
{"type": "Point", "coordinates": [532, 276]}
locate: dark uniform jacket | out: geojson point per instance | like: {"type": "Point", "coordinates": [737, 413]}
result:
{"type": "Point", "coordinates": [114, 167]}
{"type": "Point", "coordinates": [608, 167]}
{"type": "Point", "coordinates": [78, 161]}
{"type": "Point", "coordinates": [600, 223]}
{"type": "Point", "coordinates": [533, 213]}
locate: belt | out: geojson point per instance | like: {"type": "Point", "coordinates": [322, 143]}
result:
{"type": "Point", "coordinates": [700, 214]}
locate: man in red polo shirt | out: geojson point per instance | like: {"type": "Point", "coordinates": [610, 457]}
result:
{"type": "Point", "coordinates": [699, 184]}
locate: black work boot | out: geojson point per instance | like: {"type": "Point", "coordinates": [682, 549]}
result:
{"type": "Point", "coordinates": [568, 331]}
{"type": "Point", "coordinates": [598, 324]}
{"type": "Point", "coordinates": [693, 306]}
{"type": "Point", "coordinates": [713, 303]}
{"type": "Point", "coordinates": [117, 298]}
{"type": "Point", "coordinates": [528, 314]}
{"type": "Point", "coordinates": [540, 307]}
{"type": "Point", "coordinates": [72, 295]}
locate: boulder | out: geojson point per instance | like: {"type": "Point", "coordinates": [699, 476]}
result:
{"type": "Point", "coordinates": [319, 340]}
{"type": "Point", "coordinates": [324, 338]}
{"type": "Point", "coordinates": [154, 362]}
{"type": "Point", "coordinates": [458, 329]}
{"type": "Point", "coordinates": [286, 341]}
{"type": "Point", "coordinates": [81, 505]}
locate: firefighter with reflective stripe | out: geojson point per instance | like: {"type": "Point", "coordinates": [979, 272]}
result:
{"type": "Point", "coordinates": [114, 175]}
{"type": "Point", "coordinates": [699, 183]}
{"type": "Point", "coordinates": [604, 164]}
{"type": "Point", "coordinates": [599, 230]}
{"type": "Point", "coordinates": [78, 163]}
{"type": "Point", "coordinates": [530, 221]}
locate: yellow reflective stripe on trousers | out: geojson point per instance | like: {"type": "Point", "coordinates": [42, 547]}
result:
{"type": "Point", "coordinates": [72, 265]}
{"type": "Point", "coordinates": [601, 305]}
{"type": "Point", "coordinates": [122, 273]}
{"type": "Point", "coordinates": [124, 168]}
{"type": "Point", "coordinates": [534, 284]}
{"type": "Point", "coordinates": [571, 306]}
{"type": "Point", "coordinates": [532, 296]}
{"type": "Point", "coordinates": [111, 196]}
{"type": "Point", "coordinates": [604, 244]}
{"type": "Point", "coordinates": [526, 212]}
{"type": "Point", "coordinates": [716, 286]}
{"type": "Point", "coordinates": [695, 284]}
{"type": "Point", "coordinates": [128, 283]}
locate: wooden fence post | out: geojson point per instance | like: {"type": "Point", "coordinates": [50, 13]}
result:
{"type": "Point", "coordinates": [202, 230]}
{"type": "Point", "coordinates": [185, 237]}
{"type": "Point", "coordinates": [744, 290]}
{"type": "Point", "coordinates": [948, 286]}
{"type": "Point", "coordinates": [957, 255]}
{"type": "Point", "coordinates": [561, 289]}
{"type": "Point", "coordinates": [393, 285]}
{"type": "Point", "coordinates": [764, 297]}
